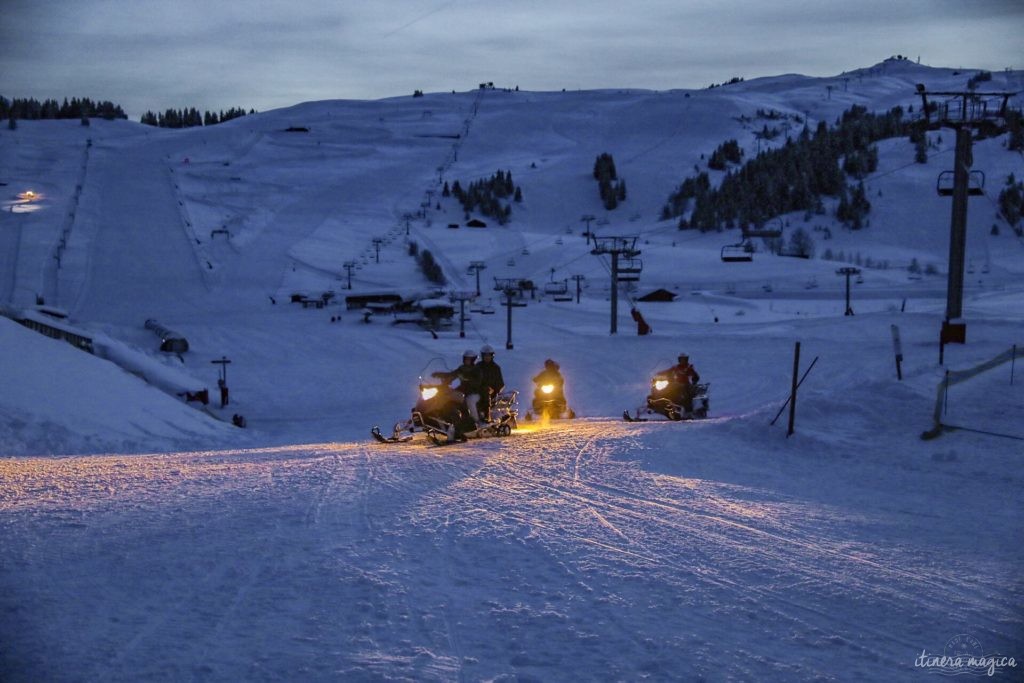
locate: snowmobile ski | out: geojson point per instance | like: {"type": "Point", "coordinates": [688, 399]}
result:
{"type": "Point", "coordinates": [384, 439]}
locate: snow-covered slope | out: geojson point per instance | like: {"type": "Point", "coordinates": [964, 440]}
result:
{"type": "Point", "coordinates": [592, 549]}
{"type": "Point", "coordinates": [204, 228]}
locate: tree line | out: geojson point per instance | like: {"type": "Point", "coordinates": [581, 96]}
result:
{"type": "Point", "coordinates": [1011, 204]}
{"type": "Point", "coordinates": [793, 177]}
{"type": "Point", "coordinates": [31, 109]}
{"type": "Point", "coordinates": [431, 268]}
{"type": "Point", "coordinates": [611, 188]}
{"type": "Point", "coordinates": [489, 196]}
{"type": "Point", "coordinates": [188, 118]}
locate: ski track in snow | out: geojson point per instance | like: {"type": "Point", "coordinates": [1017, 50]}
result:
{"type": "Point", "coordinates": [550, 537]}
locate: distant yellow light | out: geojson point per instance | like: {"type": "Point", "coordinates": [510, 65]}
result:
{"type": "Point", "coordinates": [27, 195]}
{"type": "Point", "coordinates": [547, 388]}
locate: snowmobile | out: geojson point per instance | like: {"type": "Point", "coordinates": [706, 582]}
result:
{"type": "Point", "coordinates": [441, 414]}
{"type": "Point", "coordinates": [549, 401]}
{"type": "Point", "coordinates": [665, 399]}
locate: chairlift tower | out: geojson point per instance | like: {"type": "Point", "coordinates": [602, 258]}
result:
{"type": "Point", "coordinates": [967, 112]}
{"type": "Point", "coordinates": [587, 218]}
{"type": "Point", "coordinates": [462, 298]}
{"type": "Point", "coordinates": [618, 247]}
{"type": "Point", "coordinates": [349, 266]}
{"type": "Point", "coordinates": [848, 271]}
{"type": "Point", "coordinates": [477, 266]}
{"type": "Point", "coordinates": [578, 279]}
{"type": "Point", "coordinates": [377, 241]}
{"type": "Point", "coordinates": [510, 287]}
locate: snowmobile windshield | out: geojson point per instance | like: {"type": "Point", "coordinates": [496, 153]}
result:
{"type": "Point", "coordinates": [435, 364]}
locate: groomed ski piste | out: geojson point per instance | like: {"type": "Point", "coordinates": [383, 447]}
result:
{"type": "Point", "coordinates": [145, 538]}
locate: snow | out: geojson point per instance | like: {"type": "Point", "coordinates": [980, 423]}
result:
{"type": "Point", "coordinates": [149, 539]}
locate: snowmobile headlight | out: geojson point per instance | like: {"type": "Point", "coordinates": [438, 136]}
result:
{"type": "Point", "coordinates": [660, 384]}
{"type": "Point", "coordinates": [428, 393]}
{"type": "Point", "coordinates": [547, 388]}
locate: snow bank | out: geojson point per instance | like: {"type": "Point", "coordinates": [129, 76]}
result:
{"type": "Point", "coordinates": [57, 399]}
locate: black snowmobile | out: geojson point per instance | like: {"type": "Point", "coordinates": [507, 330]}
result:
{"type": "Point", "coordinates": [549, 400]}
{"type": "Point", "coordinates": [668, 399]}
{"type": "Point", "coordinates": [441, 414]}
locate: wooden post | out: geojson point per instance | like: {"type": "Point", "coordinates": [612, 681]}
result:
{"type": "Point", "coordinates": [798, 385]}
{"type": "Point", "coordinates": [945, 394]}
{"type": "Point", "coordinates": [792, 396]}
{"type": "Point", "coordinates": [898, 350]}
{"type": "Point", "coordinates": [1013, 362]}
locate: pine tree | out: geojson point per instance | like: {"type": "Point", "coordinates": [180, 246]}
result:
{"type": "Point", "coordinates": [920, 140]}
{"type": "Point", "coordinates": [1015, 126]}
{"type": "Point", "coordinates": [801, 244]}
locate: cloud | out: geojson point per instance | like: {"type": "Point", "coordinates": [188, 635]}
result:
{"type": "Point", "coordinates": [153, 54]}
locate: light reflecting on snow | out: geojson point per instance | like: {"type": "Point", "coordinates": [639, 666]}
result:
{"type": "Point", "coordinates": [27, 201]}
{"type": "Point", "coordinates": [372, 555]}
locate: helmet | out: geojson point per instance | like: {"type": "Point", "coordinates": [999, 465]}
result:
{"type": "Point", "coordinates": [550, 364]}
{"type": "Point", "coordinates": [486, 350]}
{"type": "Point", "coordinates": [683, 358]}
{"type": "Point", "coordinates": [469, 353]}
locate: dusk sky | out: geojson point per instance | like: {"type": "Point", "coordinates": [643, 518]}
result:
{"type": "Point", "coordinates": [155, 54]}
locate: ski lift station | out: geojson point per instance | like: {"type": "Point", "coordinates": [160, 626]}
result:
{"type": "Point", "coordinates": [170, 341]}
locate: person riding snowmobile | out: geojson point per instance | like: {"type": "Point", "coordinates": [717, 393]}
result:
{"type": "Point", "coordinates": [683, 378]}
{"type": "Point", "coordinates": [469, 386]}
{"type": "Point", "coordinates": [491, 381]}
{"type": "Point", "coordinates": [549, 390]}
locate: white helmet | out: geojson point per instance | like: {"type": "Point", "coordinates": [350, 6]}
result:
{"type": "Point", "coordinates": [469, 353]}
{"type": "Point", "coordinates": [486, 350]}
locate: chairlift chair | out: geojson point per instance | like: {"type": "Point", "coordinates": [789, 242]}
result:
{"type": "Point", "coordinates": [736, 253]}
{"type": "Point", "coordinates": [630, 269]}
{"type": "Point", "coordinates": [772, 231]}
{"type": "Point", "coordinates": [556, 288]}
{"type": "Point", "coordinates": [975, 184]}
